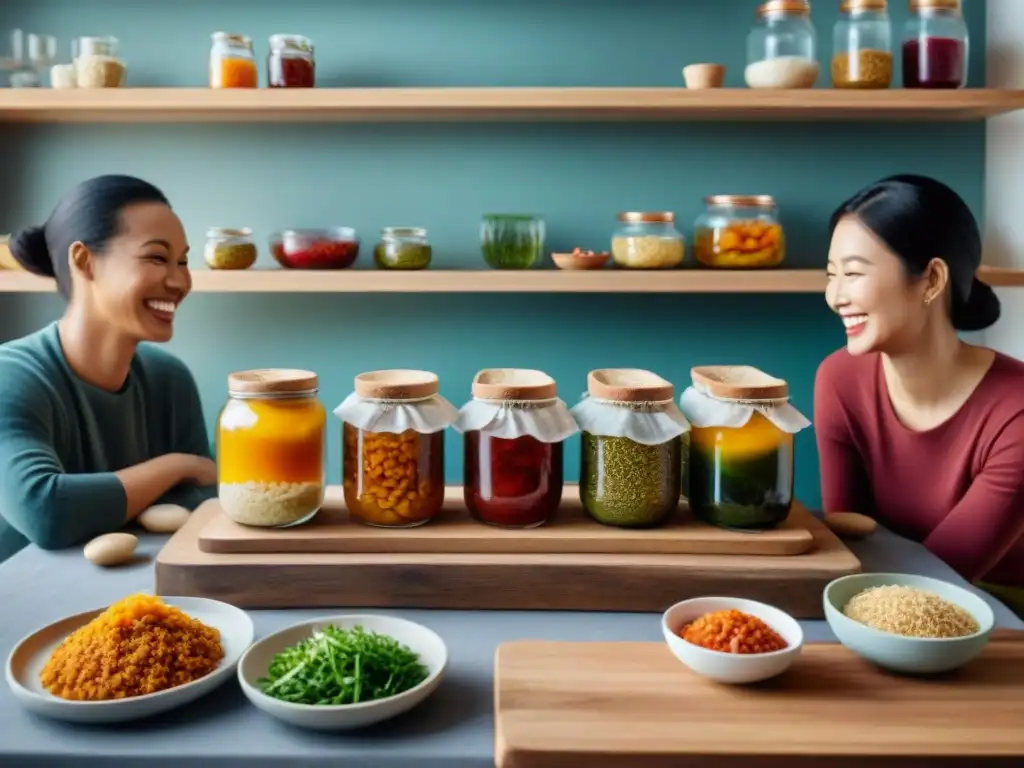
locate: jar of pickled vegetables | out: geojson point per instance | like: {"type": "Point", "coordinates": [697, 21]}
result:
{"type": "Point", "coordinates": [514, 428]}
{"type": "Point", "coordinates": [232, 62]}
{"type": "Point", "coordinates": [270, 448]}
{"type": "Point", "coordinates": [393, 448]}
{"type": "Point", "coordinates": [291, 62]}
{"type": "Point", "coordinates": [935, 45]}
{"type": "Point", "coordinates": [631, 462]}
{"type": "Point", "coordinates": [741, 446]}
{"type": "Point", "coordinates": [403, 248]}
{"type": "Point", "coordinates": [511, 241]}
{"type": "Point", "coordinates": [739, 232]}
{"type": "Point", "coordinates": [228, 248]}
{"type": "Point", "coordinates": [648, 240]}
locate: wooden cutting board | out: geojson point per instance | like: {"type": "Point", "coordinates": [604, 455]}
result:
{"type": "Point", "coordinates": [598, 705]}
{"type": "Point", "coordinates": [454, 531]}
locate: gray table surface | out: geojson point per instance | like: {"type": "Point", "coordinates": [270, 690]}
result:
{"type": "Point", "coordinates": [452, 729]}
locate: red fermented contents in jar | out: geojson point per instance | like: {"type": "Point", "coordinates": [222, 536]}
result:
{"type": "Point", "coordinates": [315, 249]}
{"type": "Point", "coordinates": [291, 63]}
{"type": "Point", "coordinates": [933, 62]}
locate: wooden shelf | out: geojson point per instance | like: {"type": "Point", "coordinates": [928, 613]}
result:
{"type": "Point", "coordinates": [494, 281]}
{"type": "Point", "coordinates": [202, 105]}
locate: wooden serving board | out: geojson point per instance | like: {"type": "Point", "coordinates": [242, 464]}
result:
{"type": "Point", "coordinates": [454, 531]}
{"type": "Point", "coordinates": [598, 705]}
{"type": "Point", "coordinates": [520, 581]}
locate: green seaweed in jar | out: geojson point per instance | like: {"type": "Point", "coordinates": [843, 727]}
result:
{"type": "Point", "coordinates": [627, 484]}
{"type": "Point", "coordinates": [403, 248]}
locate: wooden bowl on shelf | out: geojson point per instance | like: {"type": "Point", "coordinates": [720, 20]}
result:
{"type": "Point", "coordinates": [579, 259]}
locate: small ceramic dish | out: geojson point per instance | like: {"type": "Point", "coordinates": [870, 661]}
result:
{"type": "Point", "coordinates": [579, 259]}
{"type": "Point", "coordinates": [423, 641]}
{"type": "Point", "coordinates": [733, 668]}
{"type": "Point", "coordinates": [704, 75]}
{"type": "Point", "coordinates": [909, 655]}
{"type": "Point", "coordinates": [31, 654]}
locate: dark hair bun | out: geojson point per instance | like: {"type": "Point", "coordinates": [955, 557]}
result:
{"type": "Point", "coordinates": [28, 247]}
{"type": "Point", "coordinates": [980, 311]}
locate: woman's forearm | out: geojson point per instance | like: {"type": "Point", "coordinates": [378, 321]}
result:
{"type": "Point", "coordinates": [145, 483]}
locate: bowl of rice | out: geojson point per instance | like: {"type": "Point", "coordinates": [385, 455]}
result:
{"type": "Point", "coordinates": [907, 623]}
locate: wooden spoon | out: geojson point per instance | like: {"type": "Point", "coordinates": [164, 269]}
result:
{"type": "Point", "coordinates": [850, 525]}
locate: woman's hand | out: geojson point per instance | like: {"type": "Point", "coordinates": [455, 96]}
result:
{"type": "Point", "coordinates": [198, 470]}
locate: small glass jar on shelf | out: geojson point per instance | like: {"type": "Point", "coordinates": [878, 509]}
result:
{"type": "Point", "coordinates": [511, 241]}
{"type": "Point", "coordinates": [739, 232]}
{"type": "Point", "coordinates": [936, 44]}
{"type": "Point", "coordinates": [232, 62]}
{"type": "Point", "coordinates": [648, 240]}
{"type": "Point", "coordinates": [97, 64]}
{"type": "Point", "coordinates": [393, 448]}
{"type": "Point", "coordinates": [782, 46]}
{"type": "Point", "coordinates": [270, 448]}
{"type": "Point", "coordinates": [403, 248]}
{"type": "Point", "coordinates": [631, 462]}
{"type": "Point", "coordinates": [514, 428]}
{"type": "Point", "coordinates": [228, 248]}
{"type": "Point", "coordinates": [291, 62]}
{"type": "Point", "coordinates": [741, 462]}
{"type": "Point", "coordinates": [862, 45]}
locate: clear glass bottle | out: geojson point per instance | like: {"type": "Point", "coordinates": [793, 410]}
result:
{"type": "Point", "coordinates": [232, 62]}
{"type": "Point", "coordinates": [403, 248]}
{"type": "Point", "coordinates": [270, 448]}
{"type": "Point", "coordinates": [228, 248]}
{"type": "Point", "coordinates": [648, 240]}
{"type": "Point", "coordinates": [936, 45]}
{"type": "Point", "coordinates": [511, 241]}
{"type": "Point", "coordinates": [291, 62]}
{"type": "Point", "coordinates": [739, 232]}
{"type": "Point", "coordinates": [96, 62]}
{"type": "Point", "coordinates": [782, 46]}
{"type": "Point", "coordinates": [862, 45]}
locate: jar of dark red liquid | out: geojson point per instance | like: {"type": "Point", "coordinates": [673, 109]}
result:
{"type": "Point", "coordinates": [291, 63]}
{"type": "Point", "coordinates": [514, 428]}
{"type": "Point", "coordinates": [935, 45]}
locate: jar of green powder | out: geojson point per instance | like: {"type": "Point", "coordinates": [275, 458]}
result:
{"type": "Point", "coordinates": [631, 462]}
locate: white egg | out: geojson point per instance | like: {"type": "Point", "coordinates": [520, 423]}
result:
{"type": "Point", "coordinates": [111, 549]}
{"type": "Point", "coordinates": [163, 518]}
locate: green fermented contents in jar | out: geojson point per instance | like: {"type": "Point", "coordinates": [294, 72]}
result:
{"type": "Point", "coordinates": [627, 484]}
{"type": "Point", "coordinates": [403, 248]}
{"type": "Point", "coordinates": [510, 241]}
{"type": "Point", "coordinates": [233, 256]}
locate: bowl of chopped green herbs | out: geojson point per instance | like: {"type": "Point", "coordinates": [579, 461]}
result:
{"type": "Point", "coordinates": [343, 672]}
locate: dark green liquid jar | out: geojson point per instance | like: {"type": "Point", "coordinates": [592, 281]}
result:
{"type": "Point", "coordinates": [403, 248]}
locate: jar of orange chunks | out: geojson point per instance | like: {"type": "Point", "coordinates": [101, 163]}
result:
{"type": "Point", "coordinates": [270, 448]}
{"type": "Point", "coordinates": [232, 62]}
{"type": "Point", "coordinates": [739, 232]}
{"type": "Point", "coordinates": [393, 448]}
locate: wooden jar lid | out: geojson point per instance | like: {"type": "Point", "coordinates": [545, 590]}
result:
{"type": "Point", "coordinates": [628, 385]}
{"type": "Point", "coordinates": [398, 384]}
{"type": "Point", "coordinates": [738, 382]}
{"type": "Point", "coordinates": [271, 381]}
{"type": "Point", "coordinates": [513, 384]}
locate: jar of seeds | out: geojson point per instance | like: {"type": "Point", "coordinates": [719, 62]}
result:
{"type": "Point", "coordinates": [631, 463]}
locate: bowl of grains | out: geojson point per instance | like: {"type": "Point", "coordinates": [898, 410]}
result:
{"type": "Point", "coordinates": [906, 623]}
{"type": "Point", "coordinates": [731, 640]}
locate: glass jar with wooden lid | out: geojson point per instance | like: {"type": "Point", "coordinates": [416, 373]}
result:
{"type": "Point", "coordinates": [270, 448]}
{"type": "Point", "coordinates": [631, 460]}
{"type": "Point", "coordinates": [232, 62]}
{"type": "Point", "coordinates": [393, 447]}
{"type": "Point", "coordinates": [291, 62]}
{"type": "Point", "coordinates": [514, 429]}
{"type": "Point", "coordinates": [862, 45]}
{"type": "Point", "coordinates": [782, 46]}
{"type": "Point", "coordinates": [739, 232]}
{"type": "Point", "coordinates": [936, 45]}
{"type": "Point", "coordinates": [741, 463]}
{"type": "Point", "coordinates": [648, 240]}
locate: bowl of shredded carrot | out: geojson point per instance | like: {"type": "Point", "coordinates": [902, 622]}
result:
{"type": "Point", "coordinates": [732, 640]}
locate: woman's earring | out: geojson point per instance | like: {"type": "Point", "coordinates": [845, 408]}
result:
{"type": "Point", "coordinates": [927, 301]}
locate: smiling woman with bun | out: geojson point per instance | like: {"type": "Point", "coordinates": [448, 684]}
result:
{"type": "Point", "coordinates": [916, 427]}
{"type": "Point", "coordinates": [95, 425]}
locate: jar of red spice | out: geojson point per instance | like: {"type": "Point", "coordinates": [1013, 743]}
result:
{"type": "Point", "coordinates": [935, 45]}
{"type": "Point", "coordinates": [291, 63]}
{"type": "Point", "coordinates": [514, 428]}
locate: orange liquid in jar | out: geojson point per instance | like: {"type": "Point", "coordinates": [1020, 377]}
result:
{"type": "Point", "coordinates": [234, 73]}
{"type": "Point", "coordinates": [271, 441]}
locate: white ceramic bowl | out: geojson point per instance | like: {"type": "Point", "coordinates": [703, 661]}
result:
{"type": "Point", "coordinates": [732, 667]}
{"type": "Point", "coordinates": [30, 655]}
{"type": "Point", "coordinates": [420, 639]}
{"type": "Point", "coordinates": [910, 655]}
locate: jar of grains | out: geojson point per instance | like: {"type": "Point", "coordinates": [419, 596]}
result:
{"type": "Point", "coordinates": [862, 45]}
{"type": "Point", "coordinates": [740, 232]}
{"type": "Point", "coordinates": [514, 428]}
{"type": "Point", "coordinates": [935, 45]}
{"type": "Point", "coordinates": [270, 448]}
{"type": "Point", "coordinates": [782, 46]}
{"type": "Point", "coordinates": [393, 447]}
{"type": "Point", "coordinates": [741, 446]}
{"type": "Point", "coordinates": [631, 462]}
{"type": "Point", "coordinates": [97, 63]}
{"type": "Point", "coordinates": [229, 248]}
{"type": "Point", "coordinates": [403, 248]}
{"type": "Point", "coordinates": [648, 240]}
{"type": "Point", "coordinates": [291, 62]}
{"type": "Point", "coordinates": [232, 62]}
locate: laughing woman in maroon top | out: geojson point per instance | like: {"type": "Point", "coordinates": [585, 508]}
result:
{"type": "Point", "coordinates": [915, 427]}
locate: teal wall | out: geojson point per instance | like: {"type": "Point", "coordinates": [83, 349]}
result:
{"type": "Point", "coordinates": [444, 176]}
